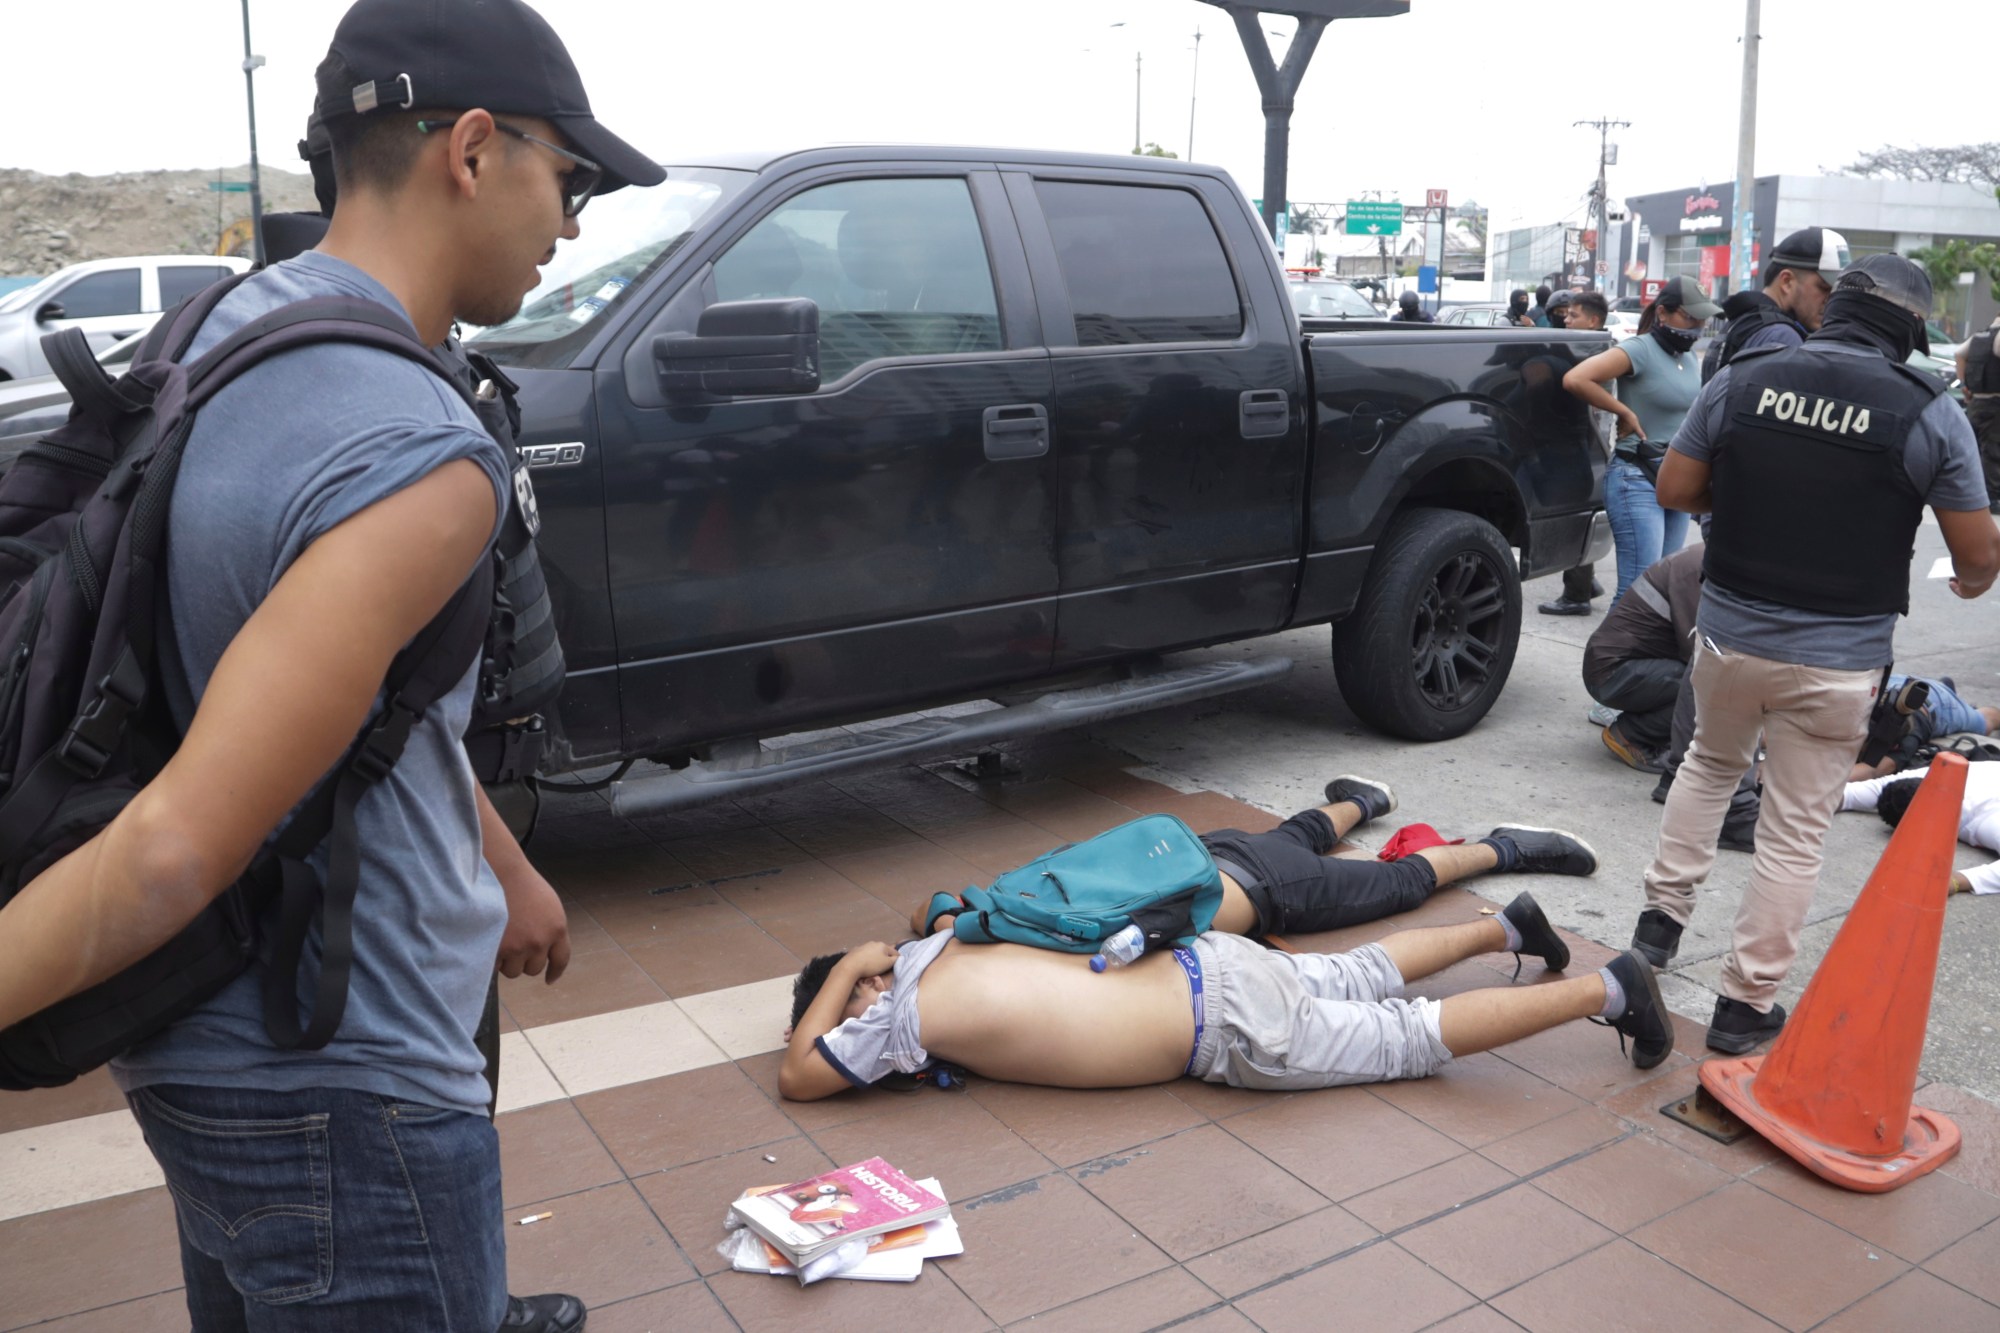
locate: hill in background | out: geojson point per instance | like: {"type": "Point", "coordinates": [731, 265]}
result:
{"type": "Point", "coordinates": [47, 222]}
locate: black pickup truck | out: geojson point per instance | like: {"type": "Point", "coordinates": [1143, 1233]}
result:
{"type": "Point", "coordinates": [853, 433]}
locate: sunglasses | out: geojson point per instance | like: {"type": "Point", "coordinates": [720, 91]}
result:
{"type": "Point", "coordinates": [578, 183]}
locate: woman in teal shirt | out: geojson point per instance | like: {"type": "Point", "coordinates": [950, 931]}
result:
{"type": "Point", "coordinates": [1658, 378]}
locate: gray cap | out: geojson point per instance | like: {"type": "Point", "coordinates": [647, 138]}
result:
{"type": "Point", "coordinates": [1686, 294]}
{"type": "Point", "coordinates": [1890, 278]}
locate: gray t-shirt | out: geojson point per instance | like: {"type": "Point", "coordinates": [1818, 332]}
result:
{"type": "Point", "coordinates": [886, 1039]}
{"type": "Point", "coordinates": [1659, 387]}
{"type": "Point", "coordinates": [290, 449]}
{"type": "Point", "coordinates": [1942, 460]}
{"type": "Point", "coordinates": [1778, 333]}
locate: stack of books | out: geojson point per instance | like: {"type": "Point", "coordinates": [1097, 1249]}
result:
{"type": "Point", "coordinates": [868, 1221]}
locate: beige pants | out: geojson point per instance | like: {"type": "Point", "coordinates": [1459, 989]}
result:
{"type": "Point", "coordinates": [1813, 720]}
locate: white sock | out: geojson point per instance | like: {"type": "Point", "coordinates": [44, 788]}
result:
{"type": "Point", "coordinates": [1614, 995]}
{"type": "Point", "coordinates": [1513, 944]}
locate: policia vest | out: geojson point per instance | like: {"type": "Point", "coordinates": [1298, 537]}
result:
{"type": "Point", "coordinates": [1812, 505]}
{"type": "Point", "coordinates": [1982, 363]}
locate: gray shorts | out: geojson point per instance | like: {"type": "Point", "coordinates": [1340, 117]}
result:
{"type": "Point", "coordinates": [1309, 1020]}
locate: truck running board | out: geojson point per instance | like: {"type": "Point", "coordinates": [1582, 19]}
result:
{"type": "Point", "coordinates": [764, 769]}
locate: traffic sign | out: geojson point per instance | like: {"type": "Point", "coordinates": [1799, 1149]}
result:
{"type": "Point", "coordinates": [1435, 199]}
{"type": "Point", "coordinates": [229, 187]}
{"type": "Point", "coordinates": [1374, 217]}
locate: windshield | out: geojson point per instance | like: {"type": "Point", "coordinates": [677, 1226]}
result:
{"type": "Point", "coordinates": [22, 298]}
{"type": "Point", "coordinates": [625, 235]}
{"type": "Point", "coordinates": [1330, 300]}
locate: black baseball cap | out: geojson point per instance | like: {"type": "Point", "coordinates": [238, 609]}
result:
{"type": "Point", "coordinates": [1820, 250]}
{"type": "Point", "coordinates": [498, 55]}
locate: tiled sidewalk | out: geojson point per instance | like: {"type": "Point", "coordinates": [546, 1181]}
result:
{"type": "Point", "coordinates": [1535, 1186]}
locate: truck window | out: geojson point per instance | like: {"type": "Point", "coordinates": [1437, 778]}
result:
{"type": "Point", "coordinates": [1143, 264]}
{"type": "Point", "coordinates": [112, 292]}
{"type": "Point", "coordinates": [180, 281]}
{"type": "Point", "coordinates": [897, 266]}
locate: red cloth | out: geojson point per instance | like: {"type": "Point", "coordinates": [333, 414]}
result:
{"type": "Point", "coordinates": [1414, 838]}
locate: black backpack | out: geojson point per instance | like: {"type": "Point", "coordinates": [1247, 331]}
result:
{"type": "Point", "coordinates": [83, 721]}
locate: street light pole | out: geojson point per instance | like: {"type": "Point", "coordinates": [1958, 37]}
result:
{"type": "Point", "coordinates": [1742, 239]}
{"type": "Point", "coordinates": [1194, 86]}
{"type": "Point", "coordinates": [1603, 128]}
{"type": "Point", "coordinates": [1138, 71]}
{"type": "Point", "coordinates": [250, 66]}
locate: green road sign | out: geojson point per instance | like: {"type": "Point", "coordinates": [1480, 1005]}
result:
{"type": "Point", "coordinates": [1374, 217]}
{"type": "Point", "coordinates": [229, 187]}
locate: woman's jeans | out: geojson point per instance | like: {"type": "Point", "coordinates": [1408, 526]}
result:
{"type": "Point", "coordinates": [328, 1211]}
{"type": "Point", "coordinates": [1645, 533]}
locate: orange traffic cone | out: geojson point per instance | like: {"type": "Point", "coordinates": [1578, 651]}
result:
{"type": "Point", "coordinates": [1835, 1090]}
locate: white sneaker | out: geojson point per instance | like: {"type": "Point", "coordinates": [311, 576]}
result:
{"type": "Point", "coordinates": [1602, 715]}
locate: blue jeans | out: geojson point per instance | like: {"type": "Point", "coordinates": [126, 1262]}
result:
{"type": "Point", "coordinates": [328, 1211]}
{"type": "Point", "coordinates": [1645, 533]}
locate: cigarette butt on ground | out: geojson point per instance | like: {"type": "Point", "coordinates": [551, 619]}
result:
{"type": "Point", "coordinates": [534, 1217]}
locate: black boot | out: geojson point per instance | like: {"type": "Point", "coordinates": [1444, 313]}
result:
{"type": "Point", "coordinates": [551, 1312]}
{"type": "Point", "coordinates": [1658, 937]}
{"type": "Point", "coordinates": [1736, 1026]}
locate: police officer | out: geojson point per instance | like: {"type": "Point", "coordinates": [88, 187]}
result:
{"type": "Point", "coordinates": [1410, 310]}
{"type": "Point", "coordinates": [1979, 371]}
{"type": "Point", "coordinates": [1798, 277]}
{"type": "Point", "coordinates": [1816, 462]}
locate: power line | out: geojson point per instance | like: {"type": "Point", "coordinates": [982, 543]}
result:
{"type": "Point", "coordinates": [1603, 127]}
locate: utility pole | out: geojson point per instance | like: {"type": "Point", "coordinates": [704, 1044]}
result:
{"type": "Point", "coordinates": [1194, 86]}
{"type": "Point", "coordinates": [1138, 72]}
{"type": "Point", "coordinates": [1603, 128]}
{"type": "Point", "coordinates": [250, 66]}
{"type": "Point", "coordinates": [1743, 228]}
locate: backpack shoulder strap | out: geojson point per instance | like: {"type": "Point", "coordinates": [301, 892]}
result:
{"type": "Point", "coordinates": [319, 319]}
{"type": "Point", "coordinates": [91, 389]}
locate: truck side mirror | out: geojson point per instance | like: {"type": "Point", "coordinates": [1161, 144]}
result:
{"type": "Point", "coordinates": [744, 347]}
{"type": "Point", "coordinates": [50, 312]}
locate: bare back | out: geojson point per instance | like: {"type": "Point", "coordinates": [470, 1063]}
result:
{"type": "Point", "coordinates": [1026, 1015]}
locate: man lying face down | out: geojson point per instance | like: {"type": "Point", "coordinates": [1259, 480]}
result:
{"type": "Point", "coordinates": [1227, 1010]}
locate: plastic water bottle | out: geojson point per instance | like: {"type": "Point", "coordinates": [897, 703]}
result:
{"type": "Point", "coordinates": [1119, 950]}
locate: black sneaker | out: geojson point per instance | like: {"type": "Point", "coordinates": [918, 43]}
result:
{"type": "Point", "coordinates": [1376, 799]}
{"type": "Point", "coordinates": [1736, 1027]}
{"type": "Point", "coordinates": [1563, 606]}
{"type": "Point", "coordinates": [552, 1312]}
{"type": "Point", "coordinates": [1630, 753]}
{"type": "Point", "coordinates": [1596, 588]}
{"type": "Point", "coordinates": [1538, 937]}
{"type": "Point", "coordinates": [1645, 1019]}
{"type": "Point", "coordinates": [1657, 936]}
{"type": "Point", "coordinates": [1738, 834]}
{"type": "Point", "coordinates": [1546, 851]}
{"type": "Point", "coordinates": [1663, 786]}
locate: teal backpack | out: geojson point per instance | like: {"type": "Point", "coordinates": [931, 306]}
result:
{"type": "Point", "coordinates": [1153, 873]}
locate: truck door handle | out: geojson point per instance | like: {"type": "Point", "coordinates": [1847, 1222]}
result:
{"type": "Point", "coordinates": [1020, 430]}
{"type": "Point", "coordinates": [1263, 413]}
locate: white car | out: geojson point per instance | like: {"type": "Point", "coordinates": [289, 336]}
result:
{"type": "Point", "coordinates": [109, 299]}
{"type": "Point", "coordinates": [1622, 324]}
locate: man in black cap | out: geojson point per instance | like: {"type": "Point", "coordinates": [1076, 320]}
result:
{"type": "Point", "coordinates": [1538, 313]}
{"type": "Point", "coordinates": [330, 502]}
{"type": "Point", "coordinates": [1798, 277]}
{"type": "Point", "coordinates": [1979, 371]}
{"type": "Point", "coordinates": [1558, 308]}
{"type": "Point", "coordinates": [1410, 310]}
{"type": "Point", "coordinates": [1817, 462]}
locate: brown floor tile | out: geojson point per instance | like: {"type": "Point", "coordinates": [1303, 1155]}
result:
{"type": "Point", "coordinates": [1913, 1222]}
{"type": "Point", "coordinates": [1491, 1245]}
{"type": "Point", "coordinates": [690, 1199]}
{"type": "Point", "coordinates": [733, 955]}
{"type": "Point", "coordinates": [1428, 1193]}
{"type": "Point", "coordinates": [1044, 1245]}
{"type": "Point", "coordinates": [597, 983]}
{"type": "Point", "coordinates": [1159, 1298]}
{"type": "Point", "coordinates": [837, 926]}
{"type": "Point", "coordinates": [165, 1313]}
{"type": "Point", "coordinates": [1619, 1288]}
{"type": "Point", "coordinates": [994, 848]}
{"type": "Point", "coordinates": [585, 934]}
{"type": "Point", "coordinates": [1206, 811]}
{"type": "Point", "coordinates": [93, 1094]}
{"type": "Point", "coordinates": [1631, 1182]}
{"type": "Point", "coordinates": [1071, 1125]}
{"type": "Point", "coordinates": [1111, 780]}
{"type": "Point", "coordinates": [688, 1308]}
{"type": "Point", "coordinates": [1063, 808]}
{"type": "Point", "coordinates": [1219, 1101]}
{"type": "Point", "coordinates": [1917, 1300]}
{"type": "Point", "coordinates": [548, 1150]}
{"type": "Point", "coordinates": [1551, 1141]}
{"type": "Point", "coordinates": [854, 1104]}
{"type": "Point", "coordinates": [939, 1134]}
{"type": "Point", "coordinates": [687, 1117]}
{"type": "Point", "coordinates": [557, 842]}
{"type": "Point", "coordinates": [1973, 1263]}
{"type": "Point", "coordinates": [94, 1254]}
{"type": "Point", "coordinates": [905, 875]}
{"type": "Point", "coordinates": [1640, 1106]}
{"type": "Point", "coordinates": [1478, 1099]}
{"type": "Point", "coordinates": [841, 834]}
{"type": "Point", "coordinates": [793, 888]}
{"type": "Point", "coordinates": [758, 1301]}
{"type": "Point", "coordinates": [634, 919]}
{"type": "Point", "coordinates": [1240, 1193]}
{"type": "Point", "coordinates": [622, 869]}
{"type": "Point", "coordinates": [740, 851]}
{"type": "Point", "coordinates": [1343, 1141]}
{"type": "Point", "coordinates": [800, 802]}
{"type": "Point", "coordinates": [1292, 1248]}
{"type": "Point", "coordinates": [1978, 1160]}
{"type": "Point", "coordinates": [1479, 1319]}
{"type": "Point", "coordinates": [1799, 1271]}
{"type": "Point", "coordinates": [1583, 1059]}
{"type": "Point", "coordinates": [1469, 975]}
{"type": "Point", "coordinates": [601, 1246]}
{"type": "Point", "coordinates": [1382, 1289]}
{"type": "Point", "coordinates": [699, 822]}
{"type": "Point", "coordinates": [1226, 1320]}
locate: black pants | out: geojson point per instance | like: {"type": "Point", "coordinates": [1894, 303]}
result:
{"type": "Point", "coordinates": [487, 1038]}
{"type": "Point", "coordinates": [1298, 888]}
{"type": "Point", "coordinates": [1643, 691]}
{"type": "Point", "coordinates": [1984, 413]}
{"type": "Point", "coordinates": [1576, 583]}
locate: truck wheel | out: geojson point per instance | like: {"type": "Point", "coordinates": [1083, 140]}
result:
{"type": "Point", "coordinates": [1429, 644]}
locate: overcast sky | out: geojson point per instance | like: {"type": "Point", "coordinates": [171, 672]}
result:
{"type": "Point", "coordinates": [1473, 96]}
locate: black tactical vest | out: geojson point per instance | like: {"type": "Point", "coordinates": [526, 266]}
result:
{"type": "Point", "coordinates": [1812, 505]}
{"type": "Point", "coordinates": [1982, 363]}
{"type": "Point", "coordinates": [1763, 313]}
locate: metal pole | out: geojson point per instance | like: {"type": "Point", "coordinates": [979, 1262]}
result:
{"type": "Point", "coordinates": [1603, 126]}
{"type": "Point", "coordinates": [250, 64]}
{"type": "Point", "coordinates": [1743, 231]}
{"type": "Point", "coordinates": [1138, 70]}
{"type": "Point", "coordinates": [1194, 86]}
